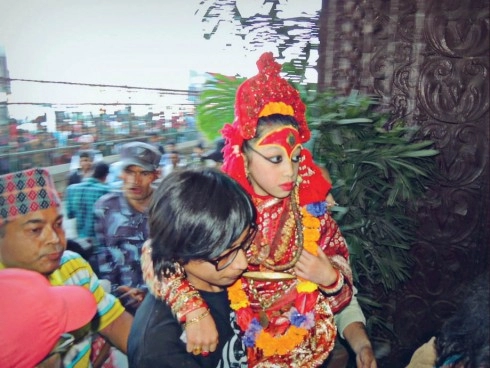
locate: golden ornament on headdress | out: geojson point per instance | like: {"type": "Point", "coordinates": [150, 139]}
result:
{"type": "Point", "coordinates": [276, 108]}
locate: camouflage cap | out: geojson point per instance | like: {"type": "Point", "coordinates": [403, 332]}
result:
{"type": "Point", "coordinates": [140, 154]}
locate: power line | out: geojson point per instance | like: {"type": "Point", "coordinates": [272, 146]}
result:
{"type": "Point", "coordinates": [165, 90]}
{"type": "Point", "coordinates": [50, 104]}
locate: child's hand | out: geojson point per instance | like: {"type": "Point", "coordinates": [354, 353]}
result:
{"type": "Point", "coordinates": [317, 269]}
{"type": "Point", "coordinates": [202, 336]}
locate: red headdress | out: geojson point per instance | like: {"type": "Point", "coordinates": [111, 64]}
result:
{"type": "Point", "coordinates": [262, 95]}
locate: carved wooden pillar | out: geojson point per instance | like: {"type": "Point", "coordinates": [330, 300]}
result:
{"type": "Point", "coordinates": [428, 62]}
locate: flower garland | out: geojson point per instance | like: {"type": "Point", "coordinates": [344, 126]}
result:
{"type": "Point", "coordinates": [301, 316]}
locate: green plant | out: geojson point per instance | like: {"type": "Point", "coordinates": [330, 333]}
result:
{"type": "Point", "coordinates": [378, 177]}
{"type": "Point", "coordinates": [216, 103]}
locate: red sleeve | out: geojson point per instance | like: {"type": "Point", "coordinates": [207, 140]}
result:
{"type": "Point", "coordinates": [333, 244]}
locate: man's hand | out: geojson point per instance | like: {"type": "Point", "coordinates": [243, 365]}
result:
{"type": "Point", "coordinates": [356, 336]}
{"type": "Point", "coordinates": [365, 358]}
{"type": "Point", "coordinates": [131, 298]}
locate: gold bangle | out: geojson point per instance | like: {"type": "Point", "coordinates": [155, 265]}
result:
{"type": "Point", "coordinates": [197, 319]}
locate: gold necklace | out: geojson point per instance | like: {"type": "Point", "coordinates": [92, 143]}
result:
{"type": "Point", "coordinates": [260, 253]}
{"type": "Point", "coordinates": [268, 300]}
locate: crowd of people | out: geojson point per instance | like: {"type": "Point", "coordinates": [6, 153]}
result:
{"type": "Point", "coordinates": [236, 265]}
{"type": "Point", "coordinates": [22, 149]}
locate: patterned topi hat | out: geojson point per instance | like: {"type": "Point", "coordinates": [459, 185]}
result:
{"type": "Point", "coordinates": [26, 191]}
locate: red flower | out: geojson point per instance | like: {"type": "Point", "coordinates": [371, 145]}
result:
{"type": "Point", "coordinates": [305, 302]}
{"type": "Point", "coordinates": [244, 317]}
{"type": "Point", "coordinates": [278, 326]}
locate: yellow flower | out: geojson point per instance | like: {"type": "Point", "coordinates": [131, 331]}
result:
{"type": "Point", "coordinates": [311, 222]}
{"type": "Point", "coordinates": [311, 234]}
{"type": "Point", "coordinates": [240, 305]}
{"type": "Point", "coordinates": [238, 297]}
{"type": "Point", "coordinates": [306, 287]}
{"type": "Point", "coordinates": [311, 247]}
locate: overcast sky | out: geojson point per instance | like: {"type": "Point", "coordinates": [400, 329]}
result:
{"type": "Point", "coordinates": [148, 43]}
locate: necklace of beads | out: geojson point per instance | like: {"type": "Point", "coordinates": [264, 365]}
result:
{"type": "Point", "coordinates": [260, 254]}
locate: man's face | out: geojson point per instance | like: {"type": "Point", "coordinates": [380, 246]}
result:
{"type": "Point", "coordinates": [85, 163]}
{"type": "Point", "coordinates": [137, 182]}
{"type": "Point", "coordinates": [34, 241]}
{"type": "Point", "coordinates": [174, 157]}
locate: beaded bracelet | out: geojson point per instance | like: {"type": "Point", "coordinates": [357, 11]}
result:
{"type": "Point", "coordinates": [197, 319]}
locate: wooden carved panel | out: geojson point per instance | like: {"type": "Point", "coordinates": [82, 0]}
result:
{"type": "Point", "coordinates": [428, 62]}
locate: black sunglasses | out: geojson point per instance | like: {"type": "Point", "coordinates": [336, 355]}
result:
{"type": "Point", "coordinates": [221, 262]}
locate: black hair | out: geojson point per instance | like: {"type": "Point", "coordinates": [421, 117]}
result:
{"type": "Point", "coordinates": [196, 214]}
{"type": "Point", "coordinates": [85, 154]}
{"type": "Point", "coordinates": [465, 336]}
{"type": "Point", "coordinates": [216, 154]}
{"type": "Point", "coordinates": [266, 122]}
{"type": "Point", "coordinates": [101, 169]}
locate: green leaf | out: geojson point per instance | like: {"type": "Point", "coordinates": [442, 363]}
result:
{"type": "Point", "coordinates": [354, 121]}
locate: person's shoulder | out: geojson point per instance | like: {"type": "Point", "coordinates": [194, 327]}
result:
{"type": "Point", "coordinates": [70, 257]}
{"type": "Point", "coordinates": [73, 269]}
{"type": "Point", "coordinates": [75, 186]}
{"type": "Point", "coordinates": [154, 326]}
{"type": "Point", "coordinates": [92, 183]}
{"type": "Point", "coordinates": [73, 173]}
{"type": "Point", "coordinates": [108, 198]}
{"type": "Point", "coordinates": [74, 177]}
{"type": "Point", "coordinates": [155, 315]}
{"type": "Point", "coordinates": [150, 305]}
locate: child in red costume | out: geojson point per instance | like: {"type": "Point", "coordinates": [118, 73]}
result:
{"type": "Point", "coordinates": [298, 262]}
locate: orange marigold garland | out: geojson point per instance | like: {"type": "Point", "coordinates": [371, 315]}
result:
{"type": "Point", "coordinates": [301, 317]}
{"type": "Point", "coordinates": [311, 235]}
{"type": "Point", "coordinates": [280, 345]}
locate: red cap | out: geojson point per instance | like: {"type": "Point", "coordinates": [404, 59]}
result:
{"type": "Point", "coordinates": [34, 314]}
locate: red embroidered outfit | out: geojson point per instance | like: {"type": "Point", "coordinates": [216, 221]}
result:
{"type": "Point", "coordinates": [272, 300]}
